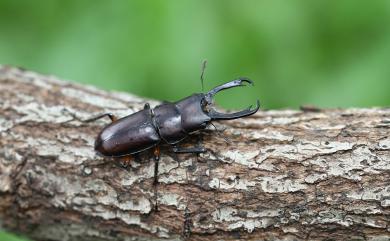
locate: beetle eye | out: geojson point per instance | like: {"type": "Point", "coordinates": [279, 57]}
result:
{"type": "Point", "coordinates": [205, 105]}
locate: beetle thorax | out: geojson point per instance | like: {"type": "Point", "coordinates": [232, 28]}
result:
{"type": "Point", "coordinates": [175, 121]}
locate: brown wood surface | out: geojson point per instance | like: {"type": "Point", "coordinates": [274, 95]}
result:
{"type": "Point", "coordinates": [283, 175]}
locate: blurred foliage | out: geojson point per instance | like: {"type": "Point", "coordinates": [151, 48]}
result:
{"type": "Point", "coordinates": [325, 53]}
{"type": "Point", "coordinates": [10, 237]}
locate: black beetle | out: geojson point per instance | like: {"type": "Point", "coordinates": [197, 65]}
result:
{"type": "Point", "coordinates": [168, 123]}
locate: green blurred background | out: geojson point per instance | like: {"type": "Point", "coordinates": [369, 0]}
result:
{"type": "Point", "coordinates": [324, 53]}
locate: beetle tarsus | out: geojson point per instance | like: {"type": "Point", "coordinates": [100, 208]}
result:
{"type": "Point", "coordinates": [187, 223]}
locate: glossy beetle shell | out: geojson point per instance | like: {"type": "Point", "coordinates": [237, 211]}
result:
{"type": "Point", "coordinates": [129, 135]}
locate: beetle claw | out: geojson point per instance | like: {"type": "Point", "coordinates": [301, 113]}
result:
{"type": "Point", "coordinates": [214, 115]}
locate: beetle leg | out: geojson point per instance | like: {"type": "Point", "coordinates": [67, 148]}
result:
{"type": "Point", "coordinates": [196, 149]}
{"type": "Point", "coordinates": [109, 115]}
{"type": "Point", "coordinates": [156, 153]}
{"type": "Point", "coordinates": [125, 160]}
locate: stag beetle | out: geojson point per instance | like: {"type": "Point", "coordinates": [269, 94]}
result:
{"type": "Point", "coordinates": [168, 123]}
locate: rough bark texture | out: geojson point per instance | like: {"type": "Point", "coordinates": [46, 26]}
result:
{"type": "Point", "coordinates": [285, 175]}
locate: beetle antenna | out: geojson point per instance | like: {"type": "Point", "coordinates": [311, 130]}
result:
{"type": "Point", "coordinates": [219, 132]}
{"type": "Point", "coordinates": [204, 64]}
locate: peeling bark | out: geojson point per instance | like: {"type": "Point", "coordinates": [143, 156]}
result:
{"type": "Point", "coordinates": [285, 175]}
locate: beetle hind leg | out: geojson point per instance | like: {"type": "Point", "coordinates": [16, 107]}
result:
{"type": "Point", "coordinates": [112, 117]}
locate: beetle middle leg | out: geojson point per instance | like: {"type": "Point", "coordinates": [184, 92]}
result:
{"type": "Point", "coordinates": [125, 160]}
{"type": "Point", "coordinates": [156, 153]}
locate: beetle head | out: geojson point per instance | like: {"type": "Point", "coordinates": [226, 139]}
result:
{"type": "Point", "coordinates": [208, 102]}
{"type": "Point", "coordinates": [198, 110]}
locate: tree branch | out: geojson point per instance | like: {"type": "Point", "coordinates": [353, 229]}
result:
{"type": "Point", "coordinates": [314, 174]}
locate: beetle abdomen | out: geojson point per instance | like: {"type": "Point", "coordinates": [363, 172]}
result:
{"type": "Point", "coordinates": [129, 135]}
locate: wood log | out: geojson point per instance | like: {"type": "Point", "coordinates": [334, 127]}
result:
{"type": "Point", "coordinates": [305, 174]}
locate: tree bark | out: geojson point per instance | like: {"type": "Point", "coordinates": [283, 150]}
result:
{"type": "Point", "coordinates": [283, 175]}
